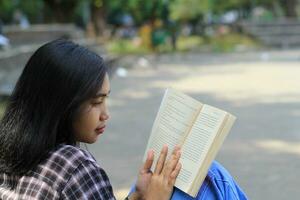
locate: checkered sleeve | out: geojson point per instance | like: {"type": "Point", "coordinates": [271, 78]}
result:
{"type": "Point", "coordinates": [88, 181]}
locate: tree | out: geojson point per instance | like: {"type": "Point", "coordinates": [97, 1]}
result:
{"type": "Point", "coordinates": [184, 10]}
{"type": "Point", "coordinates": [6, 10]}
{"type": "Point", "coordinates": [289, 8]}
{"type": "Point", "coordinates": [60, 10]}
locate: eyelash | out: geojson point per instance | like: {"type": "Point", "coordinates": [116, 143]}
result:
{"type": "Point", "coordinates": [98, 103]}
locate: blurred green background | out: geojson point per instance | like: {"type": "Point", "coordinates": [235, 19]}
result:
{"type": "Point", "coordinates": [136, 26]}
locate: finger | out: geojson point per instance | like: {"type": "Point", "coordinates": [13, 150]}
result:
{"type": "Point", "coordinates": [172, 156]}
{"type": "Point", "coordinates": [149, 161]}
{"type": "Point", "coordinates": [175, 173]}
{"type": "Point", "coordinates": [161, 160]}
{"type": "Point", "coordinates": [172, 162]}
{"type": "Point", "coordinates": [176, 148]}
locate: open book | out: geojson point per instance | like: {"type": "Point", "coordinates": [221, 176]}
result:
{"type": "Point", "coordinates": [198, 128]}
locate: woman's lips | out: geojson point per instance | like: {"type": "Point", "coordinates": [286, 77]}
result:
{"type": "Point", "coordinates": [100, 130]}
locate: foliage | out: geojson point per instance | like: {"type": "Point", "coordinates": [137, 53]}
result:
{"type": "Point", "coordinates": [184, 10]}
{"type": "Point", "coordinates": [60, 10]}
{"type": "Point", "coordinates": [33, 9]}
{"type": "Point", "coordinates": [190, 43]}
{"type": "Point", "coordinates": [6, 10]}
{"type": "Point", "coordinates": [220, 7]}
{"type": "Point", "coordinates": [125, 46]}
{"type": "Point", "coordinates": [141, 11]}
{"type": "Point", "coordinates": [231, 42]}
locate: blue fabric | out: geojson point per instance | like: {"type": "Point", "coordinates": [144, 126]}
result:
{"type": "Point", "coordinates": [218, 185]}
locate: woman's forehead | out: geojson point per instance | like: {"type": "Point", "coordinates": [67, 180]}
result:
{"type": "Point", "coordinates": [105, 85]}
{"type": "Point", "coordinates": [105, 88]}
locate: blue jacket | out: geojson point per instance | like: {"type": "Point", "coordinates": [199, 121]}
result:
{"type": "Point", "coordinates": [218, 185]}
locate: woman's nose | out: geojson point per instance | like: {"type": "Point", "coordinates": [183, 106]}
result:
{"type": "Point", "coordinates": [104, 116]}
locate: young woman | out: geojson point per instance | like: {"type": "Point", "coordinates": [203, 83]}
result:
{"type": "Point", "coordinates": [59, 101]}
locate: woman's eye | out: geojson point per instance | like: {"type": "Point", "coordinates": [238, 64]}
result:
{"type": "Point", "coordinates": [97, 103]}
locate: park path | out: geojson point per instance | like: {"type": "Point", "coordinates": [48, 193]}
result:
{"type": "Point", "coordinates": [262, 89]}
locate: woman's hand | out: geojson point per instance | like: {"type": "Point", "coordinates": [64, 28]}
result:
{"type": "Point", "coordinates": [164, 179]}
{"type": "Point", "coordinates": [164, 176]}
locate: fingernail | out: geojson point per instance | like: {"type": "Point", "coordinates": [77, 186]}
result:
{"type": "Point", "coordinates": [165, 146]}
{"type": "Point", "coordinates": [150, 153]}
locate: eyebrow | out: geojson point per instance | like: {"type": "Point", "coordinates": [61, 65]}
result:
{"type": "Point", "coordinates": [102, 94]}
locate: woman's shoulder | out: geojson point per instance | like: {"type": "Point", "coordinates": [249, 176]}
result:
{"type": "Point", "coordinates": [71, 154]}
{"type": "Point", "coordinates": [60, 164]}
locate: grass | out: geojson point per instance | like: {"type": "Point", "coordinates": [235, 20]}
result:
{"type": "Point", "coordinates": [230, 42]}
{"type": "Point", "coordinates": [190, 43]}
{"type": "Point", "coordinates": [125, 46]}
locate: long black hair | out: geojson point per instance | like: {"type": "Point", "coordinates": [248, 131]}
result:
{"type": "Point", "coordinates": [56, 80]}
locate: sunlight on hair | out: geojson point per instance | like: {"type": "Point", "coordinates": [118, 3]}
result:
{"type": "Point", "coordinates": [2, 108]}
{"type": "Point", "coordinates": [279, 146]}
{"type": "Point", "coordinates": [242, 83]}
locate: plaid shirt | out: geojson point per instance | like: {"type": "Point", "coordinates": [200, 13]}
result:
{"type": "Point", "coordinates": [68, 173]}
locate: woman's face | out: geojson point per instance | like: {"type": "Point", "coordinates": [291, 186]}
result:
{"type": "Point", "coordinates": [92, 117]}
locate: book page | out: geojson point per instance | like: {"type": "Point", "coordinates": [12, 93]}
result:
{"type": "Point", "coordinates": [173, 121]}
{"type": "Point", "coordinates": [196, 145]}
{"type": "Point", "coordinates": [215, 146]}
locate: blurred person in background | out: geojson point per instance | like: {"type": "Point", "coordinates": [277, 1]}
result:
{"type": "Point", "coordinates": [4, 41]}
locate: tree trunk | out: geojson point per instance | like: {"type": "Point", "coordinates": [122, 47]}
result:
{"type": "Point", "coordinates": [98, 19]}
{"type": "Point", "coordinates": [275, 8]}
{"type": "Point", "coordinates": [62, 10]}
{"type": "Point", "coordinates": [289, 7]}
